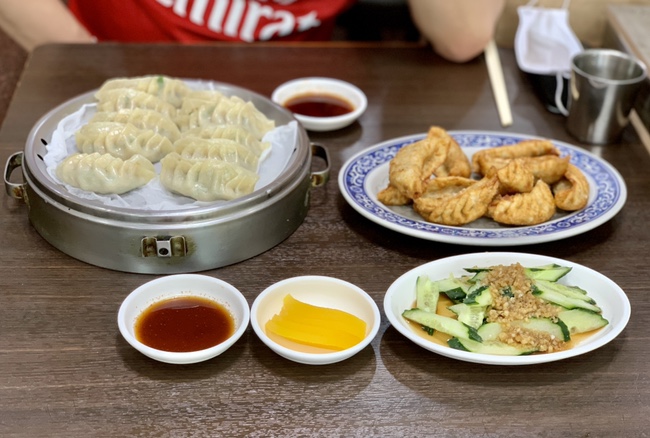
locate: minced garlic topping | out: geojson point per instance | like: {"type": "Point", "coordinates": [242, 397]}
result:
{"type": "Point", "coordinates": [513, 300]}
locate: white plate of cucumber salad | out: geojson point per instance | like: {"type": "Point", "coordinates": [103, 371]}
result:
{"type": "Point", "coordinates": [588, 309]}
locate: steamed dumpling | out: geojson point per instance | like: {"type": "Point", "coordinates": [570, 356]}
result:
{"type": "Point", "coordinates": [104, 173]}
{"type": "Point", "coordinates": [142, 119]}
{"type": "Point", "coordinates": [198, 98]}
{"type": "Point", "coordinates": [127, 98]}
{"type": "Point", "coordinates": [230, 111]}
{"type": "Point", "coordinates": [194, 148]}
{"type": "Point", "coordinates": [168, 89]}
{"type": "Point", "coordinates": [231, 132]}
{"type": "Point", "coordinates": [122, 140]}
{"type": "Point", "coordinates": [206, 180]}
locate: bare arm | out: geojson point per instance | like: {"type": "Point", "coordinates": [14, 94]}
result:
{"type": "Point", "coordinates": [458, 30]}
{"type": "Point", "coordinates": [34, 22]}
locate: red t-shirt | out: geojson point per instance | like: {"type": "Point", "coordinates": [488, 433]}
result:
{"type": "Point", "coordinates": [208, 20]}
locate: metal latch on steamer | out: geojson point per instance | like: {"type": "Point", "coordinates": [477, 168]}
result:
{"type": "Point", "coordinates": [164, 246]}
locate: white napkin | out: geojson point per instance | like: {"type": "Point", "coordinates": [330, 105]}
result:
{"type": "Point", "coordinates": [545, 42]}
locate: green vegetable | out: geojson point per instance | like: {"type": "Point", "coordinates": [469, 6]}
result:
{"type": "Point", "coordinates": [554, 296]}
{"type": "Point", "coordinates": [490, 331]}
{"type": "Point", "coordinates": [552, 272]}
{"type": "Point", "coordinates": [470, 314]}
{"type": "Point", "coordinates": [480, 295]}
{"type": "Point", "coordinates": [582, 321]}
{"type": "Point", "coordinates": [557, 329]}
{"type": "Point", "coordinates": [427, 294]}
{"type": "Point", "coordinates": [451, 326]}
{"type": "Point", "coordinates": [491, 347]}
{"type": "Point", "coordinates": [454, 288]}
{"type": "Point", "coordinates": [473, 299]}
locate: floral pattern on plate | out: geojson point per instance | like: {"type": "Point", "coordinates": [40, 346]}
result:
{"type": "Point", "coordinates": [366, 173]}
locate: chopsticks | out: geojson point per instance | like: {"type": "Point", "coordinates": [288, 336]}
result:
{"type": "Point", "coordinates": [495, 71]}
{"type": "Point", "coordinates": [640, 129]}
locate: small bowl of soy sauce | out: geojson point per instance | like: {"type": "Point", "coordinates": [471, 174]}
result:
{"type": "Point", "coordinates": [321, 104]}
{"type": "Point", "coordinates": [183, 319]}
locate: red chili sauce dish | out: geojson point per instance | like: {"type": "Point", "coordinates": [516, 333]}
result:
{"type": "Point", "coordinates": [184, 324]}
{"type": "Point", "coordinates": [319, 105]}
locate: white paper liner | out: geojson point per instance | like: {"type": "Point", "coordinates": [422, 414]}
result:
{"type": "Point", "coordinates": [153, 196]}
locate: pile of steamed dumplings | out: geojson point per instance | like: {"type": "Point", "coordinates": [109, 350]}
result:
{"type": "Point", "coordinates": [209, 145]}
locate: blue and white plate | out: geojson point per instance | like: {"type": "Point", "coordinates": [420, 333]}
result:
{"type": "Point", "coordinates": [364, 175]}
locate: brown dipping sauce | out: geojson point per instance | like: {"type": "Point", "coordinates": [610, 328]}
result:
{"type": "Point", "coordinates": [184, 324]}
{"type": "Point", "coordinates": [319, 105]}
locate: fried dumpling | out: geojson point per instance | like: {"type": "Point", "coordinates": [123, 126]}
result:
{"type": "Point", "coordinates": [194, 148]}
{"type": "Point", "coordinates": [104, 173]}
{"type": "Point", "coordinates": [526, 148]}
{"type": "Point", "coordinates": [127, 98]}
{"type": "Point", "coordinates": [122, 140]}
{"type": "Point", "coordinates": [168, 89]}
{"type": "Point", "coordinates": [455, 200]}
{"type": "Point", "coordinates": [572, 191]}
{"type": "Point", "coordinates": [142, 119]}
{"type": "Point", "coordinates": [206, 180]}
{"type": "Point", "coordinates": [414, 164]}
{"type": "Point", "coordinates": [530, 208]}
{"type": "Point", "coordinates": [549, 168]}
{"type": "Point", "coordinates": [515, 177]}
{"type": "Point", "coordinates": [456, 163]}
{"type": "Point", "coordinates": [445, 186]}
{"type": "Point", "coordinates": [438, 154]}
{"type": "Point", "coordinates": [391, 196]}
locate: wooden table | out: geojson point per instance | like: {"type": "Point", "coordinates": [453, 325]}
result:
{"type": "Point", "coordinates": [66, 371]}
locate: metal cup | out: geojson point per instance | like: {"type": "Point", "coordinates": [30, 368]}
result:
{"type": "Point", "coordinates": [603, 86]}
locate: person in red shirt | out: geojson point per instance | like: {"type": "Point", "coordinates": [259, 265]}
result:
{"type": "Point", "coordinates": [209, 20]}
{"type": "Point", "coordinates": [458, 30]}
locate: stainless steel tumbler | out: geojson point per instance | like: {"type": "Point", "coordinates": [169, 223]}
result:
{"type": "Point", "coordinates": [603, 86]}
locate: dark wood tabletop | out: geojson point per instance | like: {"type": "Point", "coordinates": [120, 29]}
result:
{"type": "Point", "coordinates": [65, 370]}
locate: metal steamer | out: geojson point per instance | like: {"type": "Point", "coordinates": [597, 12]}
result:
{"type": "Point", "coordinates": [173, 241]}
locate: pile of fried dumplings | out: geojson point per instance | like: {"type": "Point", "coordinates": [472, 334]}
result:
{"type": "Point", "coordinates": [521, 184]}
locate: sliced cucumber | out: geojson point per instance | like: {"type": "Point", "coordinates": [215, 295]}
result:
{"type": "Point", "coordinates": [477, 269]}
{"type": "Point", "coordinates": [472, 298]}
{"type": "Point", "coordinates": [470, 314]}
{"type": "Point", "coordinates": [426, 293]}
{"type": "Point", "coordinates": [490, 331]}
{"type": "Point", "coordinates": [582, 321]}
{"type": "Point", "coordinates": [553, 296]}
{"type": "Point", "coordinates": [453, 287]}
{"type": "Point", "coordinates": [478, 277]}
{"type": "Point", "coordinates": [492, 347]}
{"type": "Point", "coordinates": [557, 329]}
{"type": "Point", "coordinates": [552, 272]}
{"type": "Point", "coordinates": [451, 326]}
{"type": "Point", "coordinates": [569, 291]}
{"type": "Point", "coordinates": [480, 295]}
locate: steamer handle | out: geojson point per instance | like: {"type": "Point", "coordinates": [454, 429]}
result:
{"type": "Point", "coordinates": [320, 178]}
{"type": "Point", "coordinates": [16, 191]}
